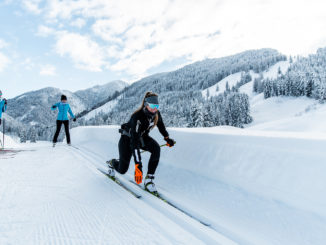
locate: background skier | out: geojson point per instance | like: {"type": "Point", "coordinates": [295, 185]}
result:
{"type": "Point", "coordinates": [134, 136]}
{"type": "Point", "coordinates": [62, 118]}
{"type": "Point", "coordinates": [3, 105]}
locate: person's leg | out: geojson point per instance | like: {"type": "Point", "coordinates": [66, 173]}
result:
{"type": "Point", "coordinates": [66, 123]}
{"type": "Point", "coordinates": [154, 148]}
{"type": "Point", "coordinates": [55, 138]}
{"type": "Point", "coordinates": [125, 154]}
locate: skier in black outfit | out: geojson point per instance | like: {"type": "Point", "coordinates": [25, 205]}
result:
{"type": "Point", "coordinates": [134, 136]}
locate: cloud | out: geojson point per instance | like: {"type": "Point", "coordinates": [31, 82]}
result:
{"type": "Point", "coordinates": [28, 64]}
{"type": "Point", "coordinates": [79, 23]}
{"type": "Point", "coordinates": [135, 36]}
{"type": "Point", "coordinates": [45, 31]}
{"type": "Point", "coordinates": [4, 61]}
{"type": "Point", "coordinates": [85, 53]}
{"type": "Point", "coordinates": [3, 44]}
{"type": "Point", "coordinates": [48, 70]}
{"type": "Point", "coordinates": [32, 5]}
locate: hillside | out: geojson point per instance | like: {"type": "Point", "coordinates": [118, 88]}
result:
{"type": "Point", "coordinates": [31, 111]}
{"type": "Point", "coordinates": [180, 91]}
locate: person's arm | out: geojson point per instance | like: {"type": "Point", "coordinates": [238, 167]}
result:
{"type": "Point", "coordinates": [70, 112]}
{"type": "Point", "coordinates": [54, 106]}
{"type": "Point", "coordinates": [5, 105]}
{"type": "Point", "coordinates": [161, 127]}
{"type": "Point", "coordinates": [2, 105]}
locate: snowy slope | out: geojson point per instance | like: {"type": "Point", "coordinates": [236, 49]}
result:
{"type": "Point", "coordinates": [8, 141]}
{"type": "Point", "coordinates": [254, 187]}
{"type": "Point", "coordinates": [57, 196]}
{"type": "Point", "coordinates": [104, 108]}
{"type": "Point", "coordinates": [288, 114]}
{"type": "Point", "coordinates": [232, 79]}
{"type": "Point", "coordinates": [299, 114]}
{"type": "Point", "coordinates": [99, 93]}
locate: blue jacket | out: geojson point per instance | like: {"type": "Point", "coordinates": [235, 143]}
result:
{"type": "Point", "coordinates": [3, 107]}
{"type": "Point", "coordinates": [64, 108]}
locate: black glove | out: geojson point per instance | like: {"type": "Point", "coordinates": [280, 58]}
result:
{"type": "Point", "coordinates": [5, 101]}
{"type": "Point", "coordinates": [53, 107]}
{"type": "Point", "coordinates": [169, 142]}
{"type": "Point", "coordinates": [0, 121]}
{"type": "Point", "coordinates": [74, 119]}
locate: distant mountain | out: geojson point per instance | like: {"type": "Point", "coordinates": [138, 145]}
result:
{"type": "Point", "coordinates": [96, 94]}
{"type": "Point", "coordinates": [181, 92]}
{"type": "Point", "coordinates": [182, 101]}
{"type": "Point", "coordinates": [33, 109]}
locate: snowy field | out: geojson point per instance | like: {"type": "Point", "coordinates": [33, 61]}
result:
{"type": "Point", "coordinates": [249, 186]}
{"type": "Point", "coordinates": [261, 185]}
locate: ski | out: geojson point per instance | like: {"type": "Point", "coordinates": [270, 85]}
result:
{"type": "Point", "coordinates": [157, 194]}
{"type": "Point", "coordinates": [117, 181]}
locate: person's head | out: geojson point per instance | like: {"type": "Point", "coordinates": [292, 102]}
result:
{"type": "Point", "coordinates": [150, 104]}
{"type": "Point", "coordinates": [63, 98]}
{"type": "Point", "coordinates": [150, 101]}
{"type": "Point", "coordinates": [0, 93]}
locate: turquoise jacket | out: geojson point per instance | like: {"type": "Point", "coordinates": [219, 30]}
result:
{"type": "Point", "coordinates": [64, 108]}
{"type": "Point", "coordinates": [3, 107]}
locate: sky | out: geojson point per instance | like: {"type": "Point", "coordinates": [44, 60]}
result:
{"type": "Point", "coordinates": [77, 44]}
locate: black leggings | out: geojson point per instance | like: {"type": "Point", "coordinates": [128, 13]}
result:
{"type": "Point", "coordinates": [59, 124]}
{"type": "Point", "coordinates": [125, 153]}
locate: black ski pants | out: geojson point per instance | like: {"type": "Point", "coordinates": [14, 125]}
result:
{"type": "Point", "coordinates": [59, 124]}
{"type": "Point", "coordinates": [125, 153]}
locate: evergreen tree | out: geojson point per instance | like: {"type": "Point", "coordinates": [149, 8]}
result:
{"type": "Point", "coordinates": [33, 136]}
{"type": "Point", "coordinates": [196, 115]}
{"type": "Point", "coordinates": [22, 136]}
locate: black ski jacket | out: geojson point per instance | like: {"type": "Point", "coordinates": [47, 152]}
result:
{"type": "Point", "coordinates": [141, 123]}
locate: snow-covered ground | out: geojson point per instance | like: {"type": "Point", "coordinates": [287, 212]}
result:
{"type": "Point", "coordinates": [260, 185]}
{"type": "Point", "coordinates": [252, 187]}
{"type": "Point", "coordinates": [7, 141]}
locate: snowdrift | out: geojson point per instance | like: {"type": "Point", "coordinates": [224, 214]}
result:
{"type": "Point", "coordinates": [277, 166]}
{"type": "Point", "coordinates": [9, 142]}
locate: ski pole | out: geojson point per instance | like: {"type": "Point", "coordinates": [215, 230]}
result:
{"type": "Point", "coordinates": [160, 146]}
{"type": "Point", "coordinates": [3, 134]}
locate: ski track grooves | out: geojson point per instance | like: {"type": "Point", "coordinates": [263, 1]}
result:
{"type": "Point", "coordinates": [184, 219]}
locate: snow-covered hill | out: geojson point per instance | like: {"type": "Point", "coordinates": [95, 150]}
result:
{"type": "Point", "coordinates": [32, 108]}
{"type": "Point", "coordinates": [99, 93]}
{"type": "Point", "coordinates": [233, 79]}
{"type": "Point", "coordinates": [184, 86]}
{"type": "Point", "coordinates": [283, 113]}
{"type": "Point", "coordinates": [31, 111]}
{"type": "Point", "coordinates": [251, 187]}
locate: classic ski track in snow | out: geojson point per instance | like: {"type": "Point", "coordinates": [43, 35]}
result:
{"type": "Point", "coordinates": [44, 202]}
{"type": "Point", "coordinates": [171, 203]}
{"type": "Point", "coordinates": [184, 219]}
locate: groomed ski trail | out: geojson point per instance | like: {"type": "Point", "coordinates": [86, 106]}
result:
{"type": "Point", "coordinates": [185, 219]}
{"type": "Point", "coordinates": [55, 196]}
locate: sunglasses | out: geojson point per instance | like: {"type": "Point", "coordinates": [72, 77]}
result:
{"type": "Point", "coordinates": [153, 106]}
